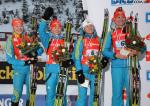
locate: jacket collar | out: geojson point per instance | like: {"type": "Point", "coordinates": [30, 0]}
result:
{"type": "Point", "coordinates": [57, 36]}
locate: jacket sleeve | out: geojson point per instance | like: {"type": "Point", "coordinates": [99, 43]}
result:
{"type": "Point", "coordinates": [78, 54]}
{"type": "Point", "coordinates": [107, 50]}
{"type": "Point", "coordinates": [10, 57]}
{"type": "Point", "coordinates": [73, 54]}
{"type": "Point", "coordinates": [44, 36]}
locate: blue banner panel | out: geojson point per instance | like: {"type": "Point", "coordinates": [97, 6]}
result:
{"type": "Point", "coordinates": [5, 100]}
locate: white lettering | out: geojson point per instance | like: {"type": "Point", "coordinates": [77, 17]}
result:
{"type": "Point", "coordinates": [2, 102]}
{"type": "Point", "coordinates": [7, 102]}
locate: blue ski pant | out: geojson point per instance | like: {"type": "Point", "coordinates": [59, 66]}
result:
{"type": "Point", "coordinates": [19, 79]}
{"type": "Point", "coordinates": [120, 80]}
{"type": "Point", "coordinates": [51, 85]}
{"type": "Point", "coordinates": [82, 92]}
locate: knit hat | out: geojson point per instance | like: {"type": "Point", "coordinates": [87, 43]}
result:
{"type": "Point", "coordinates": [119, 11]}
{"type": "Point", "coordinates": [86, 22]}
{"type": "Point", "coordinates": [55, 22]}
{"type": "Point", "coordinates": [17, 21]}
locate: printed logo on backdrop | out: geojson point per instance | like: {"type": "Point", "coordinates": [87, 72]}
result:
{"type": "Point", "coordinates": [147, 38]}
{"type": "Point", "coordinates": [147, 55]}
{"type": "Point", "coordinates": [6, 74]}
{"type": "Point", "coordinates": [128, 2]}
{"type": "Point", "coordinates": [147, 17]}
{"type": "Point", "coordinates": [148, 95]}
{"type": "Point", "coordinates": [147, 1]}
{"type": "Point", "coordinates": [148, 75]}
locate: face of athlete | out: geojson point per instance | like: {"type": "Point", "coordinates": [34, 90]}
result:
{"type": "Point", "coordinates": [18, 28]}
{"type": "Point", "coordinates": [56, 30]}
{"type": "Point", "coordinates": [89, 29]}
{"type": "Point", "coordinates": [120, 20]}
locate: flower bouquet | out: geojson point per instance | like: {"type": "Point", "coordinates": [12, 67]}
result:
{"type": "Point", "coordinates": [60, 54]}
{"type": "Point", "coordinates": [93, 64]}
{"type": "Point", "coordinates": [30, 46]}
{"type": "Point", "coordinates": [64, 51]}
{"type": "Point", "coordinates": [133, 41]}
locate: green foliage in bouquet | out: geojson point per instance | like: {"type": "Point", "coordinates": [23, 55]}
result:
{"type": "Point", "coordinates": [60, 54]}
{"type": "Point", "coordinates": [135, 43]}
{"type": "Point", "coordinates": [94, 63]}
{"type": "Point", "coordinates": [31, 47]}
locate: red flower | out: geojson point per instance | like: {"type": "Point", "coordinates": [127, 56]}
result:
{"type": "Point", "coordinates": [90, 65]}
{"type": "Point", "coordinates": [56, 56]}
{"type": "Point", "coordinates": [127, 41]}
{"type": "Point", "coordinates": [142, 44]}
{"type": "Point", "coordinates": [137, 38]}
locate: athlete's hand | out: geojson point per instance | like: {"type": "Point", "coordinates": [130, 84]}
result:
{"type": "Point", "coordinates": [120, 56]}
{"type": "Point", "coordinates": [134, 52]}
{"type": "Point", "coordinates": [31, 61]}
{"type": "Point", "coordinates": [80, 76]}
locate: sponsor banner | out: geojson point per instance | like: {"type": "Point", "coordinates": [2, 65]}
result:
{"type": "Point", "coordinates": [148, 96]}
{"type": "Point", "coordinates": [147, 17]}
{"type": "Point", "coordinates": [6, 74]}
{"type": "Point", "coordinates": [147, 37]}
{"type": "Point", "coordinates": [128, 2]}
{"type": "Point", "coordinates": [147, 1]}
{"type": "Point", "coordinates": [148, 56]}
{"type": "Point", "coordinates": [5, 100]}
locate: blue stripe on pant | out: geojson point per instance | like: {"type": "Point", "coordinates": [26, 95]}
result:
{"type": "Point", "coordinates": [120, 79]}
